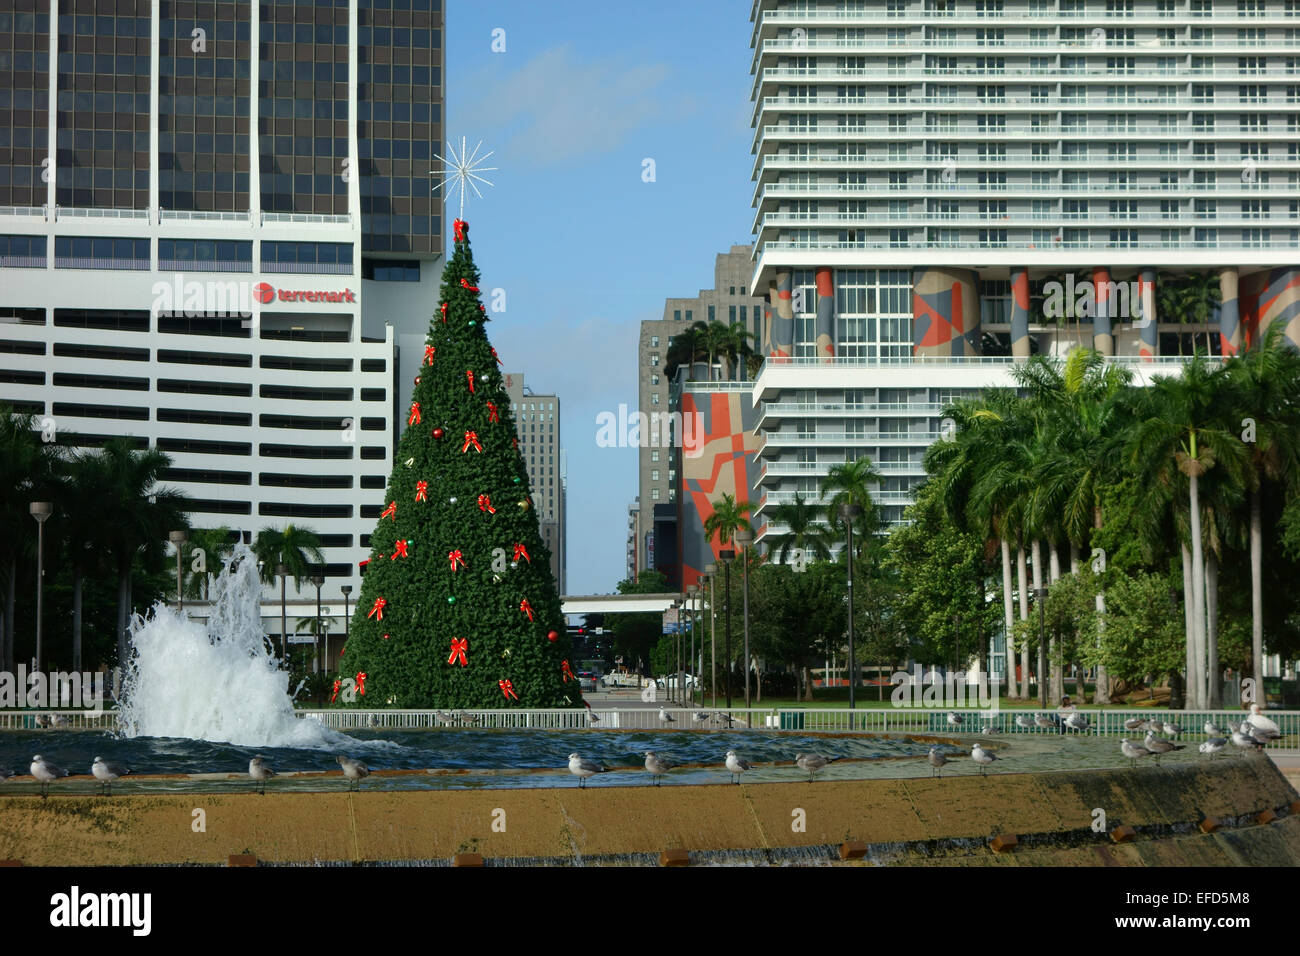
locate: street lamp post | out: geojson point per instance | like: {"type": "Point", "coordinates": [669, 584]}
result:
{"type": "Point", "coordinates": [347, 627]}
{"type": "Point", "coordinates": [712, 571]}
{"type": "Point", "coordinates": [745, 538]}
{"type": "Point", "coordinates": [317, 580]}
{"type": "Point", "coordinates": [283, 571]}
{"type": "Point", "coordinates": [726, 556]}
{"type": "Point", "coordinates": [178, 538]}
{"type": "Point", "coordinates": [677, 644]}
{"type": "Point", "coordinates": [848, 512]}
{"type": "Point", "coordinates": [693, 591]}
{"type": "Point", "coordinates": [41, 511]}
{"type": "Point", "coordinates": [1040, 594]}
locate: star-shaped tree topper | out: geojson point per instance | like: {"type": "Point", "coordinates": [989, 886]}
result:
{"type": "Point", "coordinates": [463, 169]}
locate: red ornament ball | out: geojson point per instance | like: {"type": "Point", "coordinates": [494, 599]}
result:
{"type": "Point", "coordinates": [552, 636]}
{"type": "Point", "coordinates": [438, 433]}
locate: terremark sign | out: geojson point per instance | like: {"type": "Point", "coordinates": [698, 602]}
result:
{"type": "Point", "coordinates": [265, 293]}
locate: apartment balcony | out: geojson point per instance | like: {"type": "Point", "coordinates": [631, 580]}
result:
{"type": "Point", "coordinates": [771, 411]}
{"type": "Point", "coordinates": [773, 499]}
{"type": "Point", "coordinates": [973, 220]}
{"type": "Point", "coordinates": [1240, 187]}
{"type": "Point", "coordinates": [774, 472]}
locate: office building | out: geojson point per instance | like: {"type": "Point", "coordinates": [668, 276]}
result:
{"type": "Point", "coordinates": [538, 420]}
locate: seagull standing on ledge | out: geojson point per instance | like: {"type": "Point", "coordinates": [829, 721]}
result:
{"type": "Point", "coordinates": [937, 760]}
{"type": "Point", "coordinates": [1243, 739]}
{"type": "Point", "coordinates": [1260, 722]}
{"type": "Point", "coordinates": [954, 719]}
{"type": "Point", "coordinates": [737, 765]}
{"type": "Point", "coordinates": [260, 772]}
{"type": "Point", "coordinates": [1158, 745]}
{"type": "Point", "coordinates": [1134, 724]}
{"type": "Point", "coordinates": [982, 757]}
{"type": "Point", "coordinates": [583, 768]}
{"type": "Point", "coordinates": [1023, 722]}
{"type": "Point", "coordinates": [666, 717]}
{"type": "Point", "coordinates": [657, 766]}
{"type": "Point", "coordinates": [106, 773]}
{"type": "Point", "coordinates": [45, 772]}
{"type": "Point", "coordinates": [354, 770]}
{"type": "Point", "coordinates": [812, 763]}
{"type": "Point", "coordinates": [1213, 731]}
{"type": "Point", "coordinates": [1213, 746]}
{"type": "Point", "coordinates": [1133, 751]}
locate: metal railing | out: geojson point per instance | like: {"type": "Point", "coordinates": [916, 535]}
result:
{"type": "Point", "coordinates": [309, 268]}
{"type": "Point", "coordinates": [198, 215]}
{"type": "Point", "coordinates": [66, 719]}
{"type": "Point", "coordinates": [69, 212]}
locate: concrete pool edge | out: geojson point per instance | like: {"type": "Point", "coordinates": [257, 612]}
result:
{"type": "Point", "coordinates": [921, 820]}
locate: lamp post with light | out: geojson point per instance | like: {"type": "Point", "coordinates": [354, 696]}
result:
{"type": "Point", "coordinates": [744, 538]}
{"type": "Point", "coordinates": [283, 571]}
{"type": "Point", "coordinates": [712, 572]}
{"type": "Point", "coordinates": [848, 512]}
{"type": "Point", "coordinates": [726, 556]}
{"type": "Point", "coordinates": [692, 592]}
{"type": "Point", "coordinates": [41, 511]}
{"type": "Point", "coordinates": [178, 538]}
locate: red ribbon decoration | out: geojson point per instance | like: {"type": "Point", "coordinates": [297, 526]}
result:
{"type": "Point", "coordinates": [400, 552]}
{"type": "Point", "coordinates": [495, 356]}
{"type": "Point", "coordinates": [414, 417]}
{"type": "Point", "coordinates": [526, 607]}
{"type": "Point", "coordinates": [566, 671]}
{"type": "Point", "coordinates": [485, 504]}
{"type": "Point", "coordinates": [390, 511]}
{"type": "Point", "coordinates": [464, 284]}
{"type": "Point", "coordinates": [444, 312]}
{"type": "Point", "coordinates": [521, 552]}
{"type": "Point", "coordinates": [361, 683]}
{"type": "Point", "coordinates": [469, 373]}
{"type": "Point", "coordinates": [421, 491]}
{"type": "Point", "coordinates": [337, 685]}
{"type": "Point", "coordinates": [428, 354]}
{"type": "Point", "coordinates": [516, 441]}
{"type": "Point", "coordinates": [459, 226]}
{"type": "Point", "coordinates": [508, 689]}
{"type": "Point", "coordinates": [471, 438]}
{"type": "Point", "coordinates": [456, 557]}
{"type": "Point", "coordinates": [493, 414]}
{"type": "Point", "coordinates": [459, 645]}
{"type": "Point", "coordinates": [378, 609]}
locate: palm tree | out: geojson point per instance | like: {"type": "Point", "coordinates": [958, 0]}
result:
{"type": "Point", "coordinates": [686, 346]}
{"type": "Point", "coordinates": [716, 341]}
{"type": "Point", "coordinates": [216, 546]}
{"type": "Point", "coordinates": [728, 517]}
{"type": "Point", "coordinates": [136, 514]}
{"type": "Point", "coordinates": [1189, 298]}
{"type": "Point", "coordinates": [1266, 383]}
{"type": "Point", "coordinates": [737, 349]}
{"type": "Point", "coordinates": [85, 477]}
{"type": "Point", "coordinates": [806, 533]}
{"type": "Point", "coordinates": [295, 547]}
{"type": "Point", "coordinates": [850, 483]}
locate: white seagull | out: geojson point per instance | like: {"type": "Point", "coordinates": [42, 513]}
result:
{"type": "Point", "coordinates": [700, 717]}
{"type": "Point", "coordinates": [259, 771]}
{"type": "Point", "coordinates": [937, 760]}
{"type": "Point", "coordinates": [1134, 724]}
{"type": "Point", "coordinates": [954, 720]}
{"type": "Point", "coordinates": [1258, 720]}
{"type": "Point", "coordinates": [583, 768]}
{"type": "Point", "coordinates": [1213, 746]}
{"type": "Point", "coordinates": [106, 773]}
{"type": "Point", "coordinates": [982, 757]}
{"type": "Point", "coordinates": [46, 772]}
{"type": "Point", "coordinates": [1243, 739]}
{"type": "Point", "coordinates": [1261, 737]}
{"type": "Point", "coordinates": [1077, 721]}
{"type": "Point", "coordinates": [657, 766]}
{"type": "Point", "coordinates": [812, 763]}
{"type": "Point", "coordinates": [1154, 726]}
{"type": "Point", "coordinates": [1133, 751]}
{"type": "Point", "coordinates": [354, 770]}
{"type": "Point", "coordinates": [737, 765]}
{"type": "Point", "coordinates": [1172, 729]}
{"type": "Point", "coordinates": [1024, 722]}
{"type": "Point", "coordinates": [1158, 745]}
{"type": "Point", "coordinates": [1213, 731]}
{"type": "Point", "coordinates": [1046, 722]}
{"type": "Point", "coordinates": [666, 717]}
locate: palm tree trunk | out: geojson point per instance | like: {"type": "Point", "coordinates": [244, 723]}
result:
{"type": "Point", "coordinates": [1256, 592]}
{"type": "Point", "coordinates": [1009, 618]}
{"type": "Point", "coordinates": [10, 604]}
{"type": "Point", "coordinates": [1214, 674]}
{"type": "Point", "coordinates": [1037, 567]}
{"type": "Point", "coordinates": [1102, 694]}
{"type": "Point", "coordinates": [1198, 588]}
{"type": "Point", "coordinates": [1189, 701]}
{"type": "Point", "coordinates": [78, 578]}
{"type": "Point", "coordinates": [123, 612]}
{"type": "Point", "coordinates": [1056, 672]}
{"type": "Point", "coordinates": [1024, 616]}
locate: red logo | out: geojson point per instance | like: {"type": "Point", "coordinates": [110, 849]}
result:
{"type": "Point", "coordinates": [263, 292]}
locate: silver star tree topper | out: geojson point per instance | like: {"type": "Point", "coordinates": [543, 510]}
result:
{"type": "Point", "coordinates": [463, 169]}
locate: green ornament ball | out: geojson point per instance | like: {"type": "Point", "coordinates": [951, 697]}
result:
{"type": "Point", "coordinates": [472, 323]}
{"type": "Point", "coordinates": [451, 599]}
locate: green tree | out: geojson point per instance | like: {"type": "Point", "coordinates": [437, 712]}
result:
{"type": "Point", "coordinates": [805, 532]}
{"type": "Point", "coordinates": [851, 484]}
{"type": "Point", "coordinates": [296, 547]}
{"type": "Point", "coordinates": [456, 554]}
{"type": "Point", "coordinates": [216, 545]}
{"type": "Point", "coordinates": [635, 635]}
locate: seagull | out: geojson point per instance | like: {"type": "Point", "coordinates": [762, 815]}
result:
{"type": "Point", "coordinates": [657, 766]}
{"type": "Point", "coordinates": [45, 772]}
{"type": "Point", "coordinates": [1135, 724]}
{"type": "Point", "coordinates": [1213, 731]}
{"type": "Point", "coordinates": [737, 765]}
{"type": "Point", "coordinates": [1154, 726]}
{"type": "Point", "coordinates": [1158, 745]}
{"type": "Point", "coordinates": [812, 763]}
{"type": "Point", "coordinates": [1213, 746]}
{"type": "Point", "coordinates": [991, 729]}
{"type": "Point", "coordinates": [58, 721]}
{"type": "Point", "coordinates": [1133, 751]}
{"type": "Point", "coordinates": [937, 760]}
{"type": "Point", "coordinates": [1047, 721]}
{"type": "Point", "coordinates": [445, 717]}
{"type": "Point", "coordinates": [666, 717]}
{"type": "Point", "coordinates": [42, 720]}
{"type": "Point", "coordinates": [1258, 719]}
{"type": "Point", "coordinates": [591, 714]}
{"type": "Point", "coordinates": [106, 773]}
{"type": "Point", "coordinates": [954, 720]}
{"type": "Point", "coordinates": [1261, 737]}
{"type": "Point", "coordinates": [700, 717]}
{"type": "Point", "coordinates": [1077, 721]}
{"type": "Point", "coordinates": [725, 718]}
{"type": "Point", "coordinates": [1244, 740]}
{"type": "Point", "coordinates": [260, 772]}
{"type": "Point", "coordinates": [1024, 722]}
{"type": "Point", "coordinates": [982, 757]}
{"type": "Point", "coordinates": [1173, 730]}
{"type": "Point", "coordinates": [354, 770]}
{"type": "Point", "coordinates": [583, 768]}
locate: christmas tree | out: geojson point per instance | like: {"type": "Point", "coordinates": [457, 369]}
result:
{"type": "Point", "coordinates": [458, 607]}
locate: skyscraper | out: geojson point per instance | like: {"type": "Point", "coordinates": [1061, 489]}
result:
{"type": "Point", "coordinates": [217, 235]}
{"type": "Point", "coordinates": [538, 418]}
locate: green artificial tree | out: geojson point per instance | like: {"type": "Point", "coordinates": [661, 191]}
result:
{"type": "Point", "coordinates": [458, 607]}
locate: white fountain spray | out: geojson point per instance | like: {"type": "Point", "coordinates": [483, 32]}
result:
{"type": "Point", "coordinates": [221, 682]}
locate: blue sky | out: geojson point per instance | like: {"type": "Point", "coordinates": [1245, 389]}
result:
{"type": "Point", "coordinates": [583, 247]}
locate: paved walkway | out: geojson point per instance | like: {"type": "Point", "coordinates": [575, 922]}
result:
{"type": "Point", "coordinates": [1289, 764]}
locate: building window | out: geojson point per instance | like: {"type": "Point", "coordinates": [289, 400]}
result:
{"type": "Point", "coordinates": [654, 494]}
{"type": "Point", "coordinates": [390, 270]}
{"type": "Point", "coordinates": [654, 341]}
{"type": "Point", "coordinates": [654, 379]}
{"type": "Point", "coordinates": [654, 474]}
{"type": "Point", "coordinates": [654, 399]}
{"type": "Point", "coordinates": [654, 359]}
{"type": "Point", "coordinates": [677, 315]}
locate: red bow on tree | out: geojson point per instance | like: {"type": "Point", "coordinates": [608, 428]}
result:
{"type": "Point", "coordinates": [508, 689]}
{"type": "Point", "coordinates": [495, 356]}
{"type": "Point", "coordinates": [337, 685]}
{"type": "Point", "coordinates": [464, 284]}
{"type": "Point", "coordinates": [522, 552]}
{"type": "Point", "coordinates": [485, 504]}
{"type": "Point", "coordinates": [459, 645]}
{"type": "Point", "coordinates": [414, 417]}
{"type": "Point", "coordinates": [526, 607]}
{"type": "Point", "coordinates": [458, 225]}
{"type": "Point", "coordinates": [516, 441]}
{"type": "Point", "coordinates": [377, 611]}
{"type": "Point", "coordinates": [469, 373]}
{"type": "Point", "coordinates": [456, 557]}
{"type": "Point", "coordinates": [493, 414]}
{"type": "Point", "coordinates": [421, 491]}
{"type": "Point", "coordinates": [390, 511]}
{"type": "Point", "coordinates": [471, 438]}
{"type": "Point", "coordinates": [443, 309]}
{"type": "Point", "coordinates": [566, 671]}
{"type": "Point", "coordinates": [428, 354]}
{"type": "Point", "coordinates": [361, 683]}
{"type": "Point", "coordinates": [400, 552]}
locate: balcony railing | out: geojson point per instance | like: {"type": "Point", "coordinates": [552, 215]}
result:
{"type": "Point", "coordinates": [203, 265]}
{"type": "Point", "coordinates": [92, 262]}
{"type": "Point", "coordinates": [309, 268]}
{"type": "Point", "coordinates": [22, 262]}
